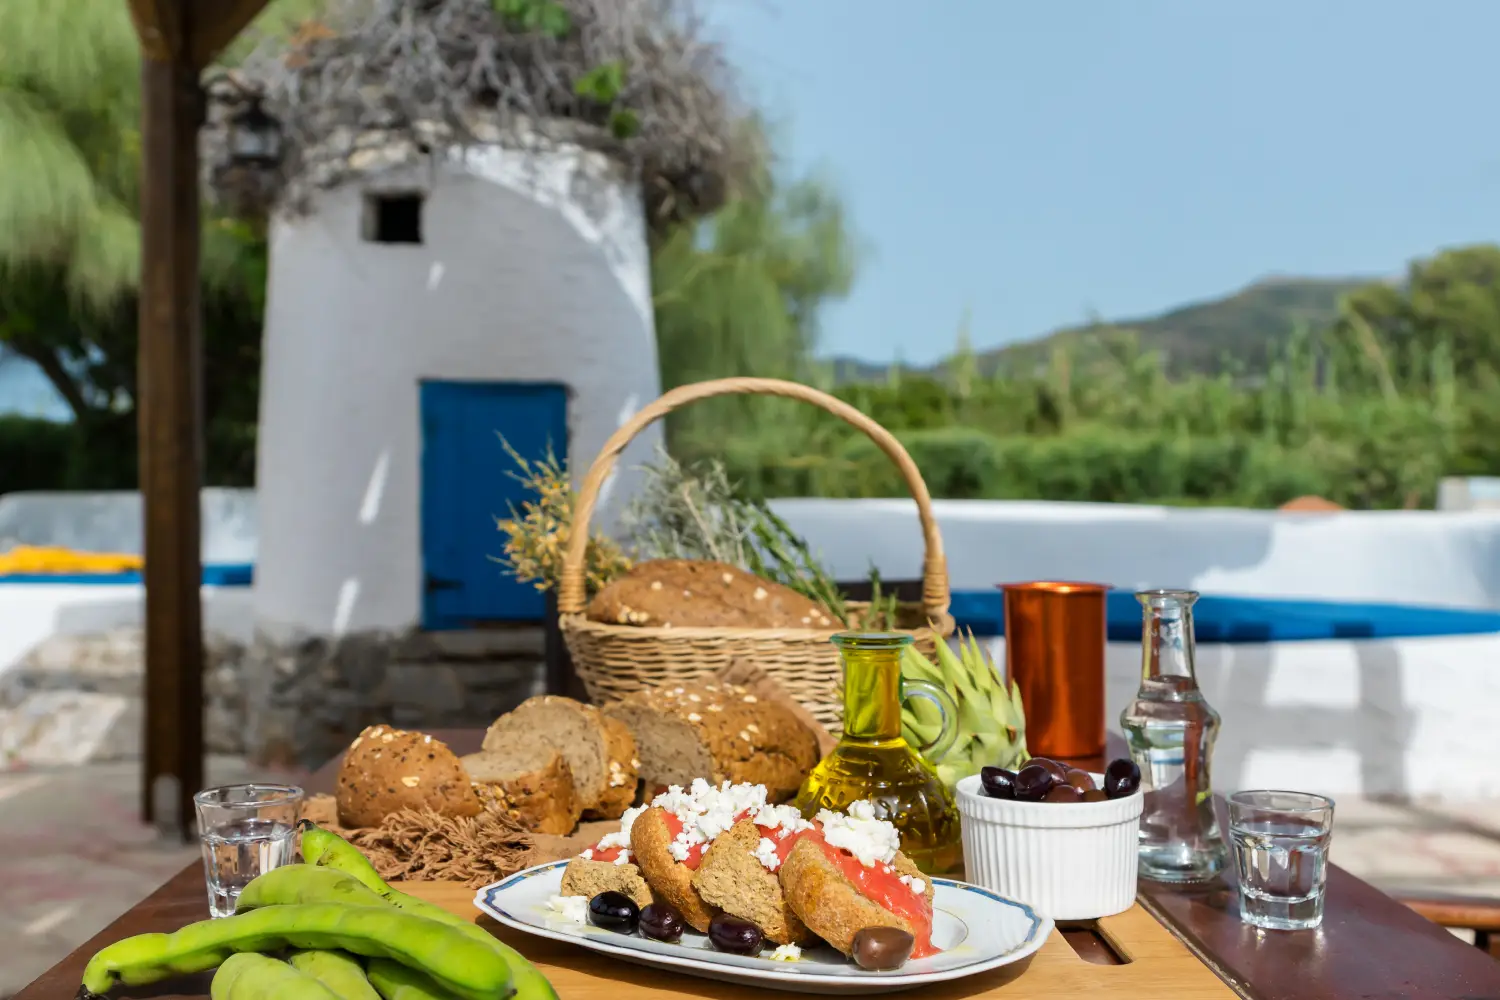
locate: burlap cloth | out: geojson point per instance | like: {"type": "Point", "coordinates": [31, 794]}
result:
{"type": "Point", "coordinates": [427, 846]}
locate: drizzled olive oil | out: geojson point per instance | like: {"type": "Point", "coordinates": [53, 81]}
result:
{"type": "Point", "coordinates": [872, 761]}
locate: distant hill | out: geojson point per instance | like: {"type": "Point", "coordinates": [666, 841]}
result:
{"type": "Point", "coordinates": [1194, 338]}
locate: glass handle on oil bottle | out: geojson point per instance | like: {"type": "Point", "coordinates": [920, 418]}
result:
{"type": "Point", "coordinates": [1171, 730]}
{"type": "Point", "coordinates": [935, 749]}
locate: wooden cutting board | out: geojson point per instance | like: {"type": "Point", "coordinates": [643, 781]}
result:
{"type": "Point", "coordinates": [1157, 966]}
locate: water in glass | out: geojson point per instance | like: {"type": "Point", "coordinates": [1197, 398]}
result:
{"type": "Point", "coordinates": [245, 830]}
{"type": "Point", "coordinates": [1280, 842]}
{"type": "Point", "coordinates": [237, 852]}
{"type": "Point", "coordinates": [1171, 731]}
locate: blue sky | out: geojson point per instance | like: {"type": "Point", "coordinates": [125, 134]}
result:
{"type": "Point", "coordinates": [1039, 161]}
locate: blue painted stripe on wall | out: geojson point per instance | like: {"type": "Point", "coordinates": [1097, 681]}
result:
{"type": "Point", "coordinates": [1254, 619]}
{"type": "Point", "coordinates": [236, 575]}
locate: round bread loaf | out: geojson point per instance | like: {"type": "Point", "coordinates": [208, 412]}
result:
{"type": "Point", "coordinates": [386, 770]}
{"type": "Point", "coordinates": [718, 732]}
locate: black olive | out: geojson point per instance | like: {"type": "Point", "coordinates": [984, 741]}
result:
{"type": "Point", "coordinates": [1033, 782]}
{"type": "Point", "coordinates": [1059, 770]}
{"type": "Point", "coordinates": [881, 949]}
{"type": "Point", "coordinates": [1122, 779]}
{"type": "Point", "coordinates": [661, 922]}
{"type": "Point", "coordinates": [736, 936]}
{"type": "Point", "coordinates": [614, 911]}
{"type": "Point", "coordinates": [998, 783]}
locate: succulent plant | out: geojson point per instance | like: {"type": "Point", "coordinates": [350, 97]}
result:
{"type": "Point", "coordinates": [991, 721]}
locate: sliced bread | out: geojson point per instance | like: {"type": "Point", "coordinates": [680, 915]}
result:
{"type": "Point", "coordinates": [529, 781]}
{"type": "Point", "coordinates": [733, 878]}
{"type": "Point", "coordinates": [835, 909]}
{"type": "Point", "coordinates": [386, 770]}
{"type": "Point", "coordinates": [600, 754]}
{"type": "Point", "coordinates": [717, 732]}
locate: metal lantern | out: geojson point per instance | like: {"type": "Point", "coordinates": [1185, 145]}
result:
{"type": "Point", "coordinates": [255, 137]}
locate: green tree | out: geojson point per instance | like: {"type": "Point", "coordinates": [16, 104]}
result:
{"type": "Point", "coordinates": [70, 159]}
{"type": "Point", "coordinates": [739, 293]}
{"type": "Point", "coordinates": [1447, 308]}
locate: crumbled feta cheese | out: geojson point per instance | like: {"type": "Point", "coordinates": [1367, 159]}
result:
{"type": "Point", "coordinates": [860, 833]}
{"type": "Point", "coordinates": [765, 853]}
{"type": "Point", "coordinates": [786, 819]}
{"type": "Point", "coordinates": [573, 908]}
{"type": "Point", "coordinates": [913, 883]}
{"type": "Point", "coordinates": [587, 854]}
{"type": "Point", "coordinates": [706, 811]}
{"type": "Point", "coordinates": [616, 774]}
{"type": "Point", "coordinates": [622, 837]}
{"type": "Point", "coordinates": [786, 953]}
{"type": "Point", "coordinates": [624, 857]}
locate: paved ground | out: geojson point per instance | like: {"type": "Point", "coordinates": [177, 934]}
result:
{"type": "Point", "coordinates": [73, 855]}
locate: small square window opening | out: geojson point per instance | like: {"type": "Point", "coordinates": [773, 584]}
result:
{"type": "Point", "coordinates": [392, 217]}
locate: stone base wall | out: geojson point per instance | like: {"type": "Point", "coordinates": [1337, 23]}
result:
{"type": "Point", "coordinates": [80, 698]}
{"type": "Point", "coordinates": [308, 697]}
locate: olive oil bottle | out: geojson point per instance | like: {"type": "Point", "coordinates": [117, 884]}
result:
{"type": "Point", "coordinates": [872, 761]}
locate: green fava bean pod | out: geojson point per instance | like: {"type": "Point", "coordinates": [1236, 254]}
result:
{"type": "Point", "coordinates": [458, 963]}
{"type": "Point", "coordinates": [341, 972]}
{"type": "Point", "coordinates": [291, 884]}
{"type": "Point", "coordinates": [322, 848]}
{"type": "Point", "coordinates": [394, 981]}
{"type": "Point", "coordinates": [248, 976]}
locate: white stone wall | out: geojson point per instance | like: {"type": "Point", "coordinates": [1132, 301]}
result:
{"type": "Point", "coordinates": [533, 268]}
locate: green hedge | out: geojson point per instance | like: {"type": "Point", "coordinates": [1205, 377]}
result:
{"type": "Point", "coordinates": [1365, 469]}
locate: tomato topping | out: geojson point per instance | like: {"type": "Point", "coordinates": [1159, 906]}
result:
{"type": "Point", "coordinates": [882, 885]}
{"type": "Point", "coordinates": [607, 854]}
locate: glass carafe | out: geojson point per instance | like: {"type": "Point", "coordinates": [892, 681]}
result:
{"type": "Point", "coordinates": [872, 760]}
{"type": "Point", "coordinates": [1171, 731]}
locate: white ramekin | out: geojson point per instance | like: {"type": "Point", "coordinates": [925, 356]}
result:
{"type": "Point", "coordinates": [1068, 862]}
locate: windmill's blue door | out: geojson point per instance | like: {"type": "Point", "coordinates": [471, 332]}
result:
{"type": "Point", "coordinates": [467, 486]}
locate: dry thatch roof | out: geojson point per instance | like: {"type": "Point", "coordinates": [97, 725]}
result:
{"type": "Point", "coordinates": [422, 73]}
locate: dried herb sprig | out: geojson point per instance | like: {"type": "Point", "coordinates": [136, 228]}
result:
{"type": "Point", "coordinates": [537, 535]}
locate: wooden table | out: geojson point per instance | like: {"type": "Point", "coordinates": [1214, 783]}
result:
{"type": "Point", "coordinates": [1370, 947]}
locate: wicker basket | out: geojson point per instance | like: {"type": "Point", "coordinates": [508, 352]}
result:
{"type": "Point", "coordinates": [616, 660]}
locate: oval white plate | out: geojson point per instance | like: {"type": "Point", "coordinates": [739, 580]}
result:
{"type": "Point", "coordinates": [976, 929]}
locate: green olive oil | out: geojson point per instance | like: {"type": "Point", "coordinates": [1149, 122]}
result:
{"type": "Point", "coordinates": [872, 760]}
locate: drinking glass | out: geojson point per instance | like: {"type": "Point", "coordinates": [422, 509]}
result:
{"type": "Point", "coordinates": [1280, 843]}
{"type": "Point", "coordinates": [245, 830]}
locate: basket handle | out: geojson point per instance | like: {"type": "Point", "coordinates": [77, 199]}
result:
{"type": "Point", "coordinates": [572, 596]}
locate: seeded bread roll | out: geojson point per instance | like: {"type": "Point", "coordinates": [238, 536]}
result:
{"type": "Point", "coordinates": [531, 781]}
{"type": "Point", "coordinates": [386, 770]}
{"type": "Point", "coordinates": [718, 732]}
{"type": "Point", "coordinates": [601, 755]}
{"type": "Point", "coordinates": [665, 593]}
{"type": "Point", "coordinates": [732, 878]}
{"type": "Point", "coordinates": [829, 904]}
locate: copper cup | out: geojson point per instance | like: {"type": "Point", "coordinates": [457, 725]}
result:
{"type": "Point", "coordinates": [1054, 651]}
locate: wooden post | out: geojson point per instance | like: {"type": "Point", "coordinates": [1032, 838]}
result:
{"type": "Point", "coordinates": [170, 406]}
{"type": "Point", "coordinates": [178, 38]}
